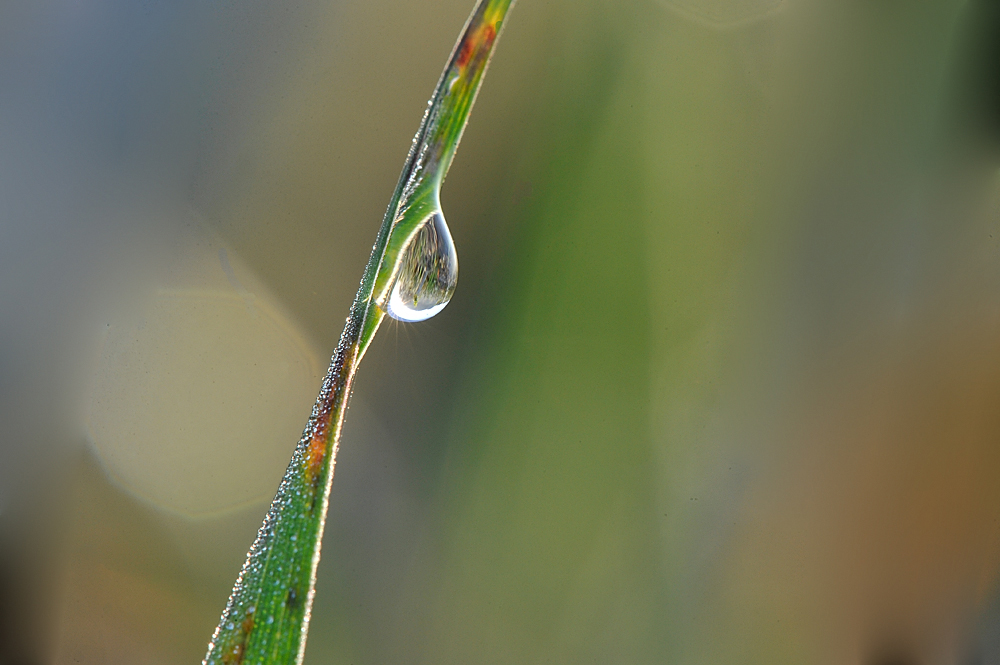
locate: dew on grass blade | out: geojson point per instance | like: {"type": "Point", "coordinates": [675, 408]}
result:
{"type": "Point", "coordinates": [418, 270]}
{"type": "Point", "coordinates": [411, 276]}
{"type": "Point", "coordinates": [427, 273]}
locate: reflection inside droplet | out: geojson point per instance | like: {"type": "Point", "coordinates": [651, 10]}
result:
{"type": "Point", "coordinates": [428, 273]}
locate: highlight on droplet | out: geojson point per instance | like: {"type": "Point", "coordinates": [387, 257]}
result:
{"type": "Point", "coordinates": [427, 273]}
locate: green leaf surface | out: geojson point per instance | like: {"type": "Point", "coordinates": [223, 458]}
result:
{"type": "Point", "coordinates": [267, 617]}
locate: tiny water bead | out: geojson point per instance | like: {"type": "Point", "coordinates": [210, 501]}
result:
{"type": "Point", "coordinates": [427, 274]}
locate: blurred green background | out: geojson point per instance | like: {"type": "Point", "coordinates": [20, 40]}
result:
{"type": "Point", "coordinates": [719, 383]}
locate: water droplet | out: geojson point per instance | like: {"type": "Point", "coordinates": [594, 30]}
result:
{"type": "Point", "coordinates": [428, 272]}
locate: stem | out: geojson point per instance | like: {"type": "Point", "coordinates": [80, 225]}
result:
{"type": "Point", "coordinates": [266, 620]}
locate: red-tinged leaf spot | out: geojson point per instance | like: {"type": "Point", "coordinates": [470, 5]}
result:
{"type": "Point", "coordinates": [478, 40]}
{"type": "Point", "coordinates": [316, 453]}
{"type": "Point", "coordinates": [465, 52]}
{"type": "Point", "coordinates": [234, 654]}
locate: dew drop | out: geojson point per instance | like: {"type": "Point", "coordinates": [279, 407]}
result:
{"type": "Point", "coordinates": [428, 272]}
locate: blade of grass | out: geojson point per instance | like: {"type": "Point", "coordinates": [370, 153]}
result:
{"type": "Point", "coordinates": [266, 620]}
